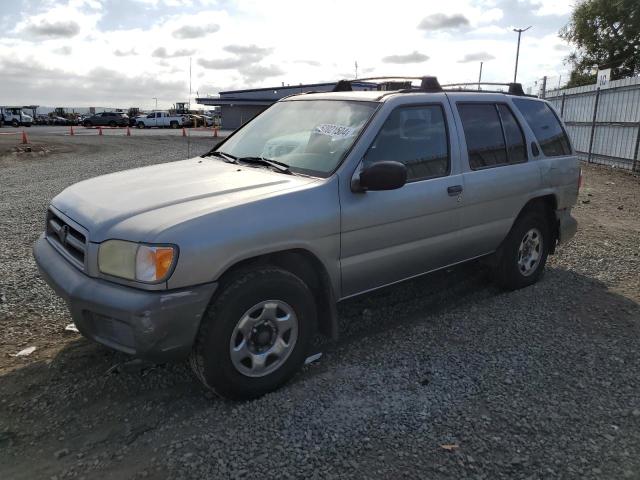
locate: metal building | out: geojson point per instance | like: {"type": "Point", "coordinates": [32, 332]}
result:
{"type": "Point", "coordinates": [239, 106]}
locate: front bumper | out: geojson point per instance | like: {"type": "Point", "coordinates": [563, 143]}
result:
{"type": "Point", "coordinates": [154, 325]}
{"type": "Point", "coordinates": [567, 225]}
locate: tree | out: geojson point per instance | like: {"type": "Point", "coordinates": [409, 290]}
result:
{"type": "Point", "coordinates": [606, 34]}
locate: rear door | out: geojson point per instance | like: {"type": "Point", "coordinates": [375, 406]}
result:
{"type": "Point", "coordinates": [499, 177]}
{"type": "Point", "coordinates": [388, 236]}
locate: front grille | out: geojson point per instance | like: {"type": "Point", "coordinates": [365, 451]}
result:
{"type": "Point", "coordinates": [66, 237]}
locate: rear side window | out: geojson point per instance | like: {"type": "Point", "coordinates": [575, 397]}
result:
{"type": "Point", "coordinates": [416, 137]}
{"type": "Point", "coordinates": [493, 135]}
{"type": "Point", "coordinates": [546, 127]}
{"type": "Point", "coordinates": [516, 150]}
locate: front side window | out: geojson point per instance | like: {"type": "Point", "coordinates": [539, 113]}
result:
{"type": "Point", "coordinates": [546, 127]}
{"type": "Point", "coordinates": [416, 137]}
{"type": "Point", "coordinates": [310, 136]}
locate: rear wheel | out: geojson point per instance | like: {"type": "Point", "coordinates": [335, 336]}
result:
{"type": "Point", "coordinates": [523, 255]}
{"type": "Point", "coordinates": [255, 334]}
{"type": "Point", "coordinates": [87, 123]}
{"type": "Point", "coordinates": [113, 124]}
{"type": "Point", "coordinates": [15, 123]}
{"type": "Point", "coordinates": [174, 125]}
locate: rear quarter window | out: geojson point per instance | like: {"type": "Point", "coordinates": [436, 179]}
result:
{"type": "Point", "coordinates": [546, 127]}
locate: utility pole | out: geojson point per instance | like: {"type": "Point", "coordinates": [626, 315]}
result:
{"type": "Point", "coordinates": [519, 30]}
{"type": "Point", "coordinates": [356, 63]}
{"type": "Point", "coordinates": [154, 98]}
{"type": "Point", "coordinates": [480, 76]}
{"type": "Point", "coordinates": [189, 103]}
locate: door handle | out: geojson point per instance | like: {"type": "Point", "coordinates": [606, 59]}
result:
{"type": "Point", "coordinates": [454, 190]}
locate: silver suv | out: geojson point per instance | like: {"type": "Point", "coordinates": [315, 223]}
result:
{"type": "Point", "coordinates": [237, 258]}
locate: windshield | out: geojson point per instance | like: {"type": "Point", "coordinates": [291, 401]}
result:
{"type": "Point", "coordinates": [310, 136]}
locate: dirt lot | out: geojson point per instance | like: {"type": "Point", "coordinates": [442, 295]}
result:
{"type": "Point", "coordinates": [441, 377]}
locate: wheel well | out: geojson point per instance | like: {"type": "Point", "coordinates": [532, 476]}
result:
{"type": "Point", "coordinates": [309, 269]}
{"type": "Point", "coordinates": [548, 204]}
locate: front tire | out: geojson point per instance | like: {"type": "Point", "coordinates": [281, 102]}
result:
{"type": "Point", "coordinates": [523, 254]}
{"type": "Point", "coordinates": [255, 334]}
{"type": "Point", "coordinates": [140, 125]}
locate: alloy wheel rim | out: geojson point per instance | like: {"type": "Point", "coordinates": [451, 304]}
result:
{"type": "Point", "coordinates": [264, 338]}
{"type": "Point", "coordinates": [530, 252]}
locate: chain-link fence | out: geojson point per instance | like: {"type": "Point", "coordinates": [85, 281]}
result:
{"type": "Point", "coordinates": [602, 121]}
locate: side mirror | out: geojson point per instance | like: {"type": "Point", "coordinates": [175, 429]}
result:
{"type": "Point", "coordinates": [385, 175]}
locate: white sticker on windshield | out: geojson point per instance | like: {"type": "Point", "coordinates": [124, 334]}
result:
{"type": "Point", "coordinates": [335, 131]}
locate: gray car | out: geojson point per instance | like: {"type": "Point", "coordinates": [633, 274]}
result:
{"type": "Point", "coordinates": [237, 258]}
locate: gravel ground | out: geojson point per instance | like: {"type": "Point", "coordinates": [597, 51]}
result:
{"type": "Point", "coordinates": [441, 377]}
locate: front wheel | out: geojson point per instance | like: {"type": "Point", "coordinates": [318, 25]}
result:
{"type": "Point", "coordinates": [255, 334]}
{"type": "Point", "coordinates": [174, 125]}
{"type": "Point", "coordinates": [15, 123]}
{"type": "Point", "coordinates": [140, 125]}
{"type": "Point", "coordinates": [523, 255]}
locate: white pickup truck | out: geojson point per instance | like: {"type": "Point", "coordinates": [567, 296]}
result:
{"type": "Point", "coordinates": [161, 119]}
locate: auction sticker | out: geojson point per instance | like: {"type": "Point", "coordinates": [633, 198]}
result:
{"type": "Point", "coordinates": [335, 131]}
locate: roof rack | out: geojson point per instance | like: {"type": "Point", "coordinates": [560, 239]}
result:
{"type": "Point", "coordinates": [427, 83]}
{"type": "Point", "coordinates": [513, 88]}
{"type": "Point", "coordinates": [431, 84]}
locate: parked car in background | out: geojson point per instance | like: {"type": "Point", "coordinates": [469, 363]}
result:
{"type": "Point", "coordinates": [41, 119]}
{"type": "Point", "coordinates": [162, 120]}
{"type": "Point", "coordinates": [107, 119]}
{"type": "Point", "coordinates": [15, 117]}
{"type": "Point", "coordinates": [198, 120]}
{"type": "Point", "coordinates": [58, 120]}
{"type": "Point", "coordinates": [236, 259]}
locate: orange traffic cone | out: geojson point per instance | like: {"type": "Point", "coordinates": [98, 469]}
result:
{"type": "Point", "coordinates": [215, 132]}
{"type": "Point", "coordinates": [99, 130]}
{"type": "Point", "coordinates": [71, 130]}
{"type": "Point", "coordinates": [128, 132]}
{"type": "Point", "coordinates": [184, 132]}
{"type": "Point", "coordinates": [25, 140]}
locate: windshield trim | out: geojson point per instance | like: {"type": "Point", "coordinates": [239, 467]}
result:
{"type": "Point", "coordinates": [304, 171]}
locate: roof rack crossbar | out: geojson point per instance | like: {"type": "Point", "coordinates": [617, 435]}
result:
{"type": "Point", "coordinates": [514, 88]}
{"type": "Point", "coordinates": [427, 83]}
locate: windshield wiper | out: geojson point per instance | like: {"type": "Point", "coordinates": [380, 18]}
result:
{"type": "Point", "coordinates": [225, 156]}
{"type": "Point", "coordinates": [280, 166]}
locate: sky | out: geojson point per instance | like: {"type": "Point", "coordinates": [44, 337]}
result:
{"type": "Point", "coordinates": [125, 53]}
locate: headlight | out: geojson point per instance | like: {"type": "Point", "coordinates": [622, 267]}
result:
{"type": "Point", "coordinates": [136, 261]}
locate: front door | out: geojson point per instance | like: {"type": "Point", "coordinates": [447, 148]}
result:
{"type": "Point", "coordinates": [388, 236]}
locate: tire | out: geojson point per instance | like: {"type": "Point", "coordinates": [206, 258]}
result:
{"type": "Point", "coordinates": [88, 124]}
{"type": "Point", "coordinates": [248, 298]}
{"type": "Point", "coordinates": [530, 235]}
{"type": "Point", "coordinates": [140, 125]}
{"type": "Point", "coordinates": [15, 123]}
{"type": "Point", "coordinates": [113, 124]}
{"type": "Point", "coordinates": [174, 125]}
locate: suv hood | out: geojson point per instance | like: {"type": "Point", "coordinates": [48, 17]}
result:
{"type": "Point", "coordinates": [138, 204]}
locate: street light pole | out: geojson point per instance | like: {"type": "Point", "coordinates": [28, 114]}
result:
{"type": "Point", "coordinates": [154, 98]}
{"type": "Point", "coordinates": [519, 30]}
